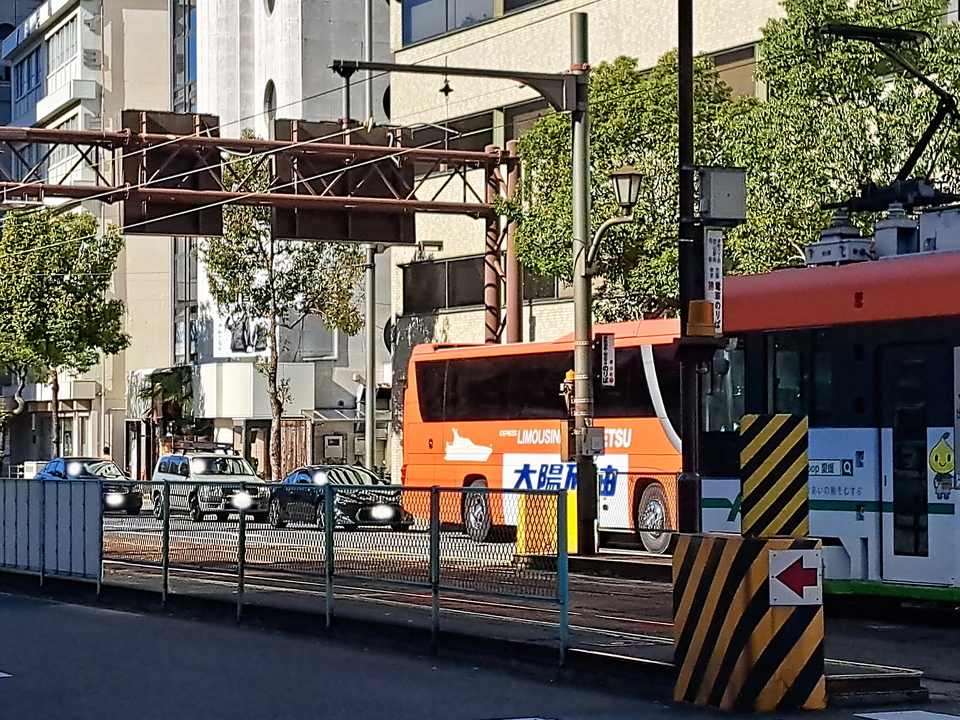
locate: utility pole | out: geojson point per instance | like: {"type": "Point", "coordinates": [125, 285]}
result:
{"type": "Point", "coordinates": [370, 348]}
{"type": "Point", "coordinates": [690, 262]}
{"type": "Point", "coordinates": [582, 294]}
{"type": "Point", "coordinates": [368, 56]}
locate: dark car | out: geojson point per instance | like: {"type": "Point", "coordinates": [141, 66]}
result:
{"type": "Point", "coordinates": [361, 498]}
{"type": "Point", "coordinates": [120, 493]}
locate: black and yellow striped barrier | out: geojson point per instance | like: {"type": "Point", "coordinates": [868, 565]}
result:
{"type": "Point", "coordinates": [733, 650]}
{"type": "Point", "coordinates": [773, 476]}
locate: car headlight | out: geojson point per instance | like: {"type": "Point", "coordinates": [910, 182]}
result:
{"type": "Point", "coordinates": [381, 512]}
{"type": "Point", "coordinates": [241, 500]}
{"type": "Point", "coordinates": [114, 499]}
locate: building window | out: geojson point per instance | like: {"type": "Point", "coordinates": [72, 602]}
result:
{"type": "Point", "coordinates": [736, 69]}
{"type": "Point", "coordinates": [63, 157]}
{"type": "Point", "coordinates": [184, 56]}
{"type": "Point", "coordinates": [61, 50]}
{"type": "Point", "coordinates": [440, 284]}
{"type": "Point", "coordinates": [424, 19]}
{"type": "Point", "coordinates": [27, 75]}
{"type": "Point", "coordinates": [185, 269]}
{"type": "Point", "coordinates": [270, 106]}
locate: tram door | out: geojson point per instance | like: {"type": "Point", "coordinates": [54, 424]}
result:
{"type": "Point", "coordinates": [918, 519]}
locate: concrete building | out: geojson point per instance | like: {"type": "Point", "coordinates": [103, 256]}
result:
{"type": "Point", "coordinates": [250, 62]}
{"type": "Point", "coordinates": [527, 35]}
{"type": "Point", "coordinates": [76, 64]}
{"type": "Point", "coordinates": [12, 13]}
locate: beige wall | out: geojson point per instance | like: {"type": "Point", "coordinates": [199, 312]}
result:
{"type": "Point", "coordinates": [136, 76]}
{"type": "Point", "coordinates": [538, 40]}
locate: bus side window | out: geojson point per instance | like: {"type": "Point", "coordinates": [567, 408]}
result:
{"type": "Point", "coordinates": [430, 381]}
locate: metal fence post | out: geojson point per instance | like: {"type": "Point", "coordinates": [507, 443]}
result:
{"type": "Point", "coordinates": [241, 555]}
{"type": "Point", "coordinates": [43, 530]}
{"type": "Point", "coordinates": [434, 567]}
{"type": "Point", "coordinates": [328, 521]}
{"type": "Point", "coordinates": [165, 541]}
{"type": "Point", "coordinates": [563, 576]}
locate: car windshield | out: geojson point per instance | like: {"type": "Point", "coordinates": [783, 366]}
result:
{"type": "Point", "coordinates": [92, 468]}
{"type": "Point", "coordinates": [352, 476]}
{"type": "Point", "coordinates": [226, 465]}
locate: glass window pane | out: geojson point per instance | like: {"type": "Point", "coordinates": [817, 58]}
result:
{"type": "Point", "coordinates": [424, 287]}
{"type": "Point", "coordinates": [423, 19]}
{"type": "Point", "coordinates": [465, 282]}
{"type": "Point", "coordinates": [464, 13]}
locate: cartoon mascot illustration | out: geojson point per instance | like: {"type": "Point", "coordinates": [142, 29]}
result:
{"type": "Point", "coordinates": [942, 464]}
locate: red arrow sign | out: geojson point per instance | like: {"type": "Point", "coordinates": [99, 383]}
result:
{"type": "Point", "coordinates": [797, 577]}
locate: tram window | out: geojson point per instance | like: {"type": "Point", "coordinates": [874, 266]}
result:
{"type": "Point", "coordinates": [822, 411]}
{"type": "Point", "coordinates": [801, 375]}
{"type": "Point", "coordinates": [723, 394]}
{"type": "Point", "coordinates": [789, 380]}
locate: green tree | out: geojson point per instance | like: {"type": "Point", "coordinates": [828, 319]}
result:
{"type": "Point", "coordinates": [54, 277]}
{"type": "Point", "coordinates": [633, 122]}
{"type": "Point", "coordinates": [838, 116]}
{"type": "Point", "coordinates": [253, 275]}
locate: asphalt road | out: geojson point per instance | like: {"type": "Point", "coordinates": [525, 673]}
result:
{"type": "Point", "coordinates": [73, 663]}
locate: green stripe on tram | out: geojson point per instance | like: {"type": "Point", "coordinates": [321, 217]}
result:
{"type": "Point", "coordinates": [874, 506]}
{"type": "Point", "coordinates": [871, 506]}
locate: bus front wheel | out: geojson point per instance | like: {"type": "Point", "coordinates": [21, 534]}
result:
{"type": "Point", "coordinates": [651, 519]}
{"type": "Point", "coordinates": [476, 512]}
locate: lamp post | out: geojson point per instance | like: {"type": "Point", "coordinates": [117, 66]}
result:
{"type": "Point", "coordinates": [626, 185]}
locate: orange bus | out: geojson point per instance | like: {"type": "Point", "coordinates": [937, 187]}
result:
{"type": "Point", "coordinates": [490, 416]}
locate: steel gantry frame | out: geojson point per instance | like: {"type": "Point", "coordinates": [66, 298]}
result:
{"type": "Point", "coordinates": [102, 152]}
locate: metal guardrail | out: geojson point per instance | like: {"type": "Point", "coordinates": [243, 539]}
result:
{"type": "Point", "coordinates": [400, 540]}
{"type": "Point", "coordinates": [51, 528]}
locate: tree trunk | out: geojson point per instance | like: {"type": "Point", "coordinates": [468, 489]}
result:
{"type": "Point", "coordinates": [276, 407]}
{"type": "Point", "coordinates": [55, 410]}
{"type": "Point", "coordinates": [273, 389]}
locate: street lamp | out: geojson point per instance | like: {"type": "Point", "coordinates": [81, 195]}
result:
{"type": "Point", "coordinates": [626, 185]}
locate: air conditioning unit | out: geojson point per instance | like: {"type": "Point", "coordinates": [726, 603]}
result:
{"type": "Point", "coordinates": [92, 58]}
{"type": "Point", "coordinates": [32, 467]}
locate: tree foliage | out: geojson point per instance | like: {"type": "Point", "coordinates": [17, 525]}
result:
{"type": "Point", "coordinates": [55, 272]}
{"type": "Point", "coordinates": [837, 116]}
{"type": "Point", "coordinates": [253, 275]}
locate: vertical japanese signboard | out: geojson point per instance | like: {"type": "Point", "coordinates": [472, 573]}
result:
{"type": "Point", "coordinates": [608, 360]}
{"type": "Point", "coordinates": [713, 274]}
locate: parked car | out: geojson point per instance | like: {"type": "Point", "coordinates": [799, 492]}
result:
{"type": "Point", "coordinates": [204, 484]}
{"type": "Point", "coordinates": [361, 498]}
{"type": "Point", "coordinates": [120, 493]}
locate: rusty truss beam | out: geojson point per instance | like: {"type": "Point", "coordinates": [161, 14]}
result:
{"type": "Point", "coordinates": [324, 181]}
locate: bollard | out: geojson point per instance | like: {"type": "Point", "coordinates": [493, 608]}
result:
{"type": "Point", "coordinates": [328, 520]}
{"type": "Point", "coordinates": [241, 555]}
{"type": "Point", "coordinates": [434, 568]}
{"type": "Point", "coordinates": [748, 633]}
{"type": "Point", "coordinates": [165, 542]}
{"type": "Point", "coordinates": [563, 573]}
